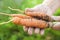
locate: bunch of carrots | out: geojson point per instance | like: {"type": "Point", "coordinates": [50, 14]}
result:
{"type": "Point", "coordinates": [40, 20]}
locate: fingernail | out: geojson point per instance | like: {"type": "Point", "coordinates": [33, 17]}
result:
{"type": "Point", "coordinates": [37, 30]}
{"type": "Point", "coordinates": [25, 28]}
{"type": "Point", "coordinates": [42, 32]}
{"type": "Point", "coordinates": [30, 31]}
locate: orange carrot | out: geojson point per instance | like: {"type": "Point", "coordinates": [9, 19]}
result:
{"type": "Point", "coordinates": [20, 16]}
{"type": "Point", "coordinates": [52, 18]}
{"type": "Point", "coordinates": [42, 16]}
{"type": "Point", "coordinates": [39, 15]}
{"type": "Point", "coordinates": [30, 22]}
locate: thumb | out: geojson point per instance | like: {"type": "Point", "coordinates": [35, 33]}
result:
{"type": "Point", "coordinates": [29, 10]}
{"type": "Point", "coordinates": [56, 26]}
{"type": "Point", "coordinates": [42, 31]}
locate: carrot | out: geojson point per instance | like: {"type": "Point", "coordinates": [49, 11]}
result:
{"type": "Point", "coordinates": [51, 18]}
{"type": "Point", "coordinates": [36, 15]}
{"type": "Point", "coordinates": [16, 15]}
{"type": "Point", "coordinates": [30, 22]}
{"type": "Point", "coordinates": [20, 16]}
{"type": "Point", "coordinates": [39, 15]}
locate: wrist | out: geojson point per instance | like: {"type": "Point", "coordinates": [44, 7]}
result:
{"type": "Point", "coordinates": [52, 4]}
{"type": "Point", "coordinates": [48, 6]}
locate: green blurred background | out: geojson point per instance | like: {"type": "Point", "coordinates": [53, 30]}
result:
{"type": "Point", "coordinates": [11, 31]}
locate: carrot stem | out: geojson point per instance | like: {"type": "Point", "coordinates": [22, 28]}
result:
{"type": "Point", "coordinates": [16, 9]}
{"type": "Point", "coordinates": [5, 14]}
{"type": "Point", "coordinates": [6, 22]}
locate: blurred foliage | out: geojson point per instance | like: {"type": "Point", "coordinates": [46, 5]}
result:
{"type": "Point", "coordinates": [11, 31]}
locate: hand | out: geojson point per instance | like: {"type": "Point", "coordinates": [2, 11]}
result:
{"type": "Point", "coordinates": [41, 9]}
{"type": "Point", "coordinates": [36, 14]}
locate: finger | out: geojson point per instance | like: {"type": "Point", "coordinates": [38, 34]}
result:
{"type": "Point", "coordinates": [56, 26]}
{"type": "Point", "coordinates": [30, 30]}
{"type": "Point", "coordinates": [30, 22]}
{"type": "Point", "coordinates": [37, 30]}
{"type": "Point", "coordinates": [25, 28]}
{"type": "Point", "coordinates": [42, 31]}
